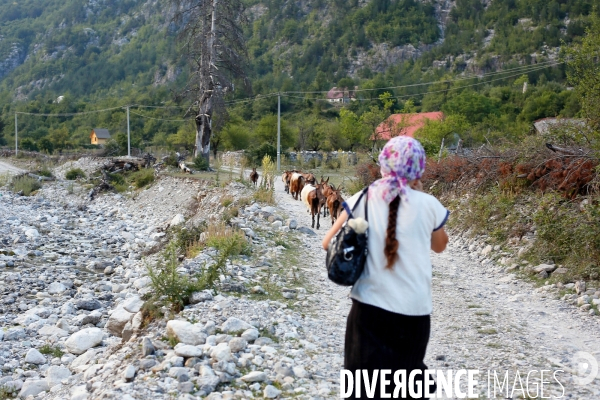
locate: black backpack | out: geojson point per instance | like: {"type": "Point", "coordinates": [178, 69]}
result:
{"type": "Point", "coordinates": [347, 252]}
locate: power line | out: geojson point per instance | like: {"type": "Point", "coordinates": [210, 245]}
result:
{"type": "Point", "coordinates": [160, 119]}
{"type": "Point", "coordinates": [422, 93]}
{"type": "Point", "coordinates": [69, 114]}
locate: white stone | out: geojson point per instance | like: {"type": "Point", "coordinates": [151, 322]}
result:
{"type": "Point", "coordinates": [83, 359]}
{"type": "Point", "coordinates": [141, 282]}
{"type": "Point", "coordinates": [187, 350]}
{"type": "Point", "coordinates": [56, 288]}
{"type": "Point", "coordinates": [221, 352]}
{"type": "Point", "coordinates": [186, 332]}
{"type": "Point", "coordinates": [35, 357]}
{"type": "Point", "coordinates": [84, 339]}
{"type": "Point", "coordinates": [544, 268]}
{"type": "Point", "coordinates": [300, 372]}
{"type": "Point", "coordinates": [32, 233]}
{"type": "Point", "coordinates": [271, 392]}
{"type": "Point", "coordinates": [276, 224]}
{"type": "Point", "coordinates": [55, 374]}
{"type": "Point", "coordinates": [129, 373]}
{"type": "Point", "coordinates": [79, 393]}
{"type": "Point", "coordinates": [33, 388]}
{"type": "Point", "coordinates": [487, 250]}
{"type": "Point", "coordinates": [255, 376]}
{"type": "Point", "coordinates": [133, 304]}
{"type": "Point", "coordinates": [117, 321]}
{"type": "Point", "coordinates": [234, 324]}
{"type": "Point", "coordinates": [250, 335]}
{"type": "Point", "coordinates": [237, 344]}
{"type": "Point", "coordinates": [177, 220]}
{"type": "Point", "coordinates": [50, 330]}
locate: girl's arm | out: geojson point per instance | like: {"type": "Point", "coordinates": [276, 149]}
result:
{"type": "Point", "coordinates": [334, 229]}
{"type": "Point", "coordinates": [439, 240]}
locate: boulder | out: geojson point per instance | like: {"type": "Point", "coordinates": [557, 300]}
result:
{"type": "Point", "coordinates": [88, 304]}
{"type": "Point", "coordinates": [84, 339]}
{"type": "Point", "coordinates": [186, 332]}
{"type": "Point", "coordinates": [133, 304]}
{"type": "Point", "coordinates": [198, 297]}
{"type": "Point", "coordinates": [117, 321]}
{"type": "Point", "coordinates": [255, 376]}
{"type": "Point", "coordinates": [250, 335]}
{"type": "Point", "coordinates": [237, 344]}
{"type": "Point", "coordinates": [221, 352]}
{"type": "Point", "coordinates": [50, 330]}
{"type": "Point", "coordinates": [55, 375]}
{"type": "Point", "coordinates": [544, 268]}
{"type": "Point", "coordinates": [83, 359]}
{"type": "Point", "coordinates": [234, 324]}
{"type": "Point", "coordinates": [187, 350]}
{"type": "Point", "coordinates": [56, 288]}
{"type": "Point", "coordinates": [271, 392]}
{"type": "Point", "coordinates": [33, 388]}
{"type": "Point", "coordinates": [35, 357]}
{"type": "Point", "coordinates": [177, 220]}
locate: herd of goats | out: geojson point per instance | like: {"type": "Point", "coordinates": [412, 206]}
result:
{"type": "Point", "coordinates": [318, 197]}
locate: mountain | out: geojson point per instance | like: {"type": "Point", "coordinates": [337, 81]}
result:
{"type": "Point", "coordinates": [99, 52]}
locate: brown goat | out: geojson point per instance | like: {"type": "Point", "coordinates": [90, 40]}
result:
{"type": "Point", "coordinates": [254, 176]}
{"type": "Point", "coordinates": [334, 202]}
{"type": "Point", "coordinates": [313, 197]}
{"type": "Point", "coordinates": [327, 190]}
{"type": "Point", "coordinates": [296, 185]}
{"type": "Point", "coordinates": [309, 178]}
{"type": "Point", "coordinates": [286, 178]}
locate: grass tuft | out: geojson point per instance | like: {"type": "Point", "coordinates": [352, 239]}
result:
{"type": "Point", "coordinates": [25, 184]}
{"type": "Point", "coordinates": [50, 350]}
{"type": "Point", "coordinates": [142, 177]}
{"type": "Point", "coordinates": [74, 173]}
{"type": "Point", "coordinates": [263, 195]}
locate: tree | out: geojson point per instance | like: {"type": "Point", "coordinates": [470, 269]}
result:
{"type": "Point", "coordinates": [266, 132]}
{"type": "Point", "coordinates": [28, 144]}
{"type": "Point", "coordinates": [583, 71]}
{"type": "Point", "coordinates": [214, 44]}
{"type": "Point", "coordinates": [351, 128]}
{"type": "Point", "coordinates": [46, 145]}
{"type": "Point", "coordinates": [434, 131]}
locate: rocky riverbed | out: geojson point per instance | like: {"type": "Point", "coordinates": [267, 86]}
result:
{"type": "Point", "coordinates": [73, 276]}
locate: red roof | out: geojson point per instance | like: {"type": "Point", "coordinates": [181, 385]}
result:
{"type": "Point", "coordinates": [404, 124]}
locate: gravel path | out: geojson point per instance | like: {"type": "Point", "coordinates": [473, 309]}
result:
{"type": "Point", "coordinates": [483, 318]}
{"type": "Point", "coordinates": [6, 168]}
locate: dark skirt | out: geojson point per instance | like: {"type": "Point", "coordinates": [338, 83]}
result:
{"type": "Point", "coordinates": [380, 339]}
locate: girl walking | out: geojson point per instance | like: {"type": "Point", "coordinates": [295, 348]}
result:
{"type": "Point", "coordinates": [388, 326]}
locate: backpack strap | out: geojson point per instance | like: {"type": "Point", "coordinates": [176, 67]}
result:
{"type": "Point", "coordinates": [349, 211]}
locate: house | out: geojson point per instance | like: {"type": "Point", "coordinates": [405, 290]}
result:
{"type": "Point", "coordinates": [404, 124]}
{"type": "Point", "coordinates": [545, 125]}
{"type": "Point", "coordinates": [341, 95]}
{"type": "Point", "coordinates": [99, 136]}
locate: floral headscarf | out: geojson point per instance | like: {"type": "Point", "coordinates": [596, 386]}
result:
{"type": "Point", "coordinates": [402, 160]}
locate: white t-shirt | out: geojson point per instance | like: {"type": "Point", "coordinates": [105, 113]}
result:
{"type": "Point", "coordinates": [406, 288]}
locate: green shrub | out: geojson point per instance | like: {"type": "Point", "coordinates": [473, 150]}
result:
{"type": "Point", "coordinates": [28, 145]}
{"type": "Point", "coordinates": [74, 173]}
{"type": "Point", "coordinates": [26, 184]}
{"type": "Point", "coordinates": [54, 351]}
{"type": "Point", "coordinates": [116, 179]}
{"type": "Point", "coordinates": [142, 177]}
{"type": "Point", "coordinates": [45, 172]}
{"type": "Point", "coordinates": [200, 163]}
{"type": "Point", "coordinates": [263, 195]}
{"type": "Point", "coordinates": [225, 239]}
{"type": "Point", "coordinates": [171, 160]}
{"type": "Point", "coordinates": [333, 163]}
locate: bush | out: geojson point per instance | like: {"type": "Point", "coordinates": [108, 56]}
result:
{"type": "Point", "coordinates": [171, 160]}
{"type": "Point", "coordinates": [201, 164]}
{"type": "Point", "coordinates": [45, 172]}
{"type": "Point", "coordinates": [142, 177]}
{"type": "Point", "coordinates": [333, 163]}
{"type": "Point", "coordinates": [54, 351]}
{"type": "Point", "coordinates": [74, 173]}
{"type": "Point", "coordinates": [263, 195]}
{"type": "Point", "coordinates": [226, 239]}
{"type": "Point", "coordinates": [25, 184]}
{"type": "Point", "coordinates": [28, 145]}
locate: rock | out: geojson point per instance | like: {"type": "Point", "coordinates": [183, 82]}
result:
{"type": "Point", "coordinates": [235, 325]}
{"type": "Point", "coordinates": [89, 304]}
{"type": "Point", "coordinates": [276, 225]}
{"type": "Point", "coordinates": [129, 373]}
{"type": "Point", "coordinates": [487, 250]}
{"type": "Point", "coordinates": [185, 332]}
{"type": "Point", "coordinates": [198, 297]}
{"type": "Point", "coordinates": [249, 232]}
{"type": "Point", "coordinates": [55, 375]}
{"type": "Point", "coordinates": [560, 270]}
{"type": "Point", "coordinates": [187, 350]}
{"type": "Point", "coordinates": [33, 388]}
{"type": "Point", "coordinates": [208, 381]}
{"type": "Point", "coordinates": [586, 307]}
{"type": "Point", "coordinates": [177, 372]}
{"type": "Point", "coordinates": [83, 359]}
{"type": "Point", "coordinates": [56, 288]}
{"type": "Point", "coordinates": [300, 372]}
{"type": "Point", "coordinates": [49, 330]}
{"type": "Point", "coordinates": [109, 270]}
{"type": "Point", "coordinates": [117, 320]}
{"type": "Point", "coordinates": [136, 321]}
{"type": "Point", "coordinates": [84, 339]}
{"type": "Point", "coordinates": [141, 282]}
{"type": "Point", "coordinates": [147, 347]}
{"type": "Point", "coordinates": [62, 324]}
{"type": "Point", "coordinates": [307, 231]}
{"type": "Point", "coordinates": [32, 233]}
{"type": "Point", "coordinates": [255, 376]}
{"type": "Point", "coordinates": [221, 352]}
{"type": "Point", "coordinates": [271, 392]}
{"type": "Point", "coordinates": [544, 267]}
{"type": "Point", "coordinates": [237, 344]}
{"type": "Point", "coordinates": [257, 289]}
{"type": "Point", "coordinates": [127, 332]}
{"type": "Point", "coordinates": [291, 223]}
{"type": "Point", "coordinates": [250, 335]}
{"type": "Point", "coordinates": [35, 357]}
{"type": "Point", "coordinates": [79, 393]}
{"type": "Point", "coordinates": [261, 341]}
{"type": "Point", "coordinates": [147, 363]}
{"type": "Point", "coordinates": [543, 275]}
{"type": "Point", "coordinates": [133, 304]}
{"type": "Point", "coordinates": [15, 334]}
{"type": "Point", "coordinates": [283, 369]}
{"type": "Point", "coordinates": [580, 287]}
{"type": "Point", "coordinates": [177, 220]}
{"type": "Point", "coordinates": [582, 300]}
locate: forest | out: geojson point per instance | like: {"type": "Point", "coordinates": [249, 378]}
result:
{"type": "Point", "coordinates": [109, 54]}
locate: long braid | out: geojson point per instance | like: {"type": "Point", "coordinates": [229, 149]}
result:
{"type": "Point", "coordinates": [391, 243]}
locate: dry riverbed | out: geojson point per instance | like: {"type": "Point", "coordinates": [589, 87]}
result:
{"type": "Point", "coordinates": [73, 275]}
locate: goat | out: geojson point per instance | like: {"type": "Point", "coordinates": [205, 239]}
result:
{"type": "Point", "coordinates": [327, 190]}
{"type": "Point", "coordinates": [254, 176]}
{"type": "Point", "coordinates": [286, 178]}
{"type": "Point", "coordinates": [313, 197]}
{"type": "Point", "coordinates": [296, 185]}
{"type": "Point", "coordinates": [334, 202]}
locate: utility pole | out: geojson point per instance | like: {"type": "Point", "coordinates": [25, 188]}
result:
{"type": "Point", "coordinates": [278, 132]}
{"type": "Point", "coordinates": [128, 135]}
{"type": "Point", "coordinates": [16, 136]}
